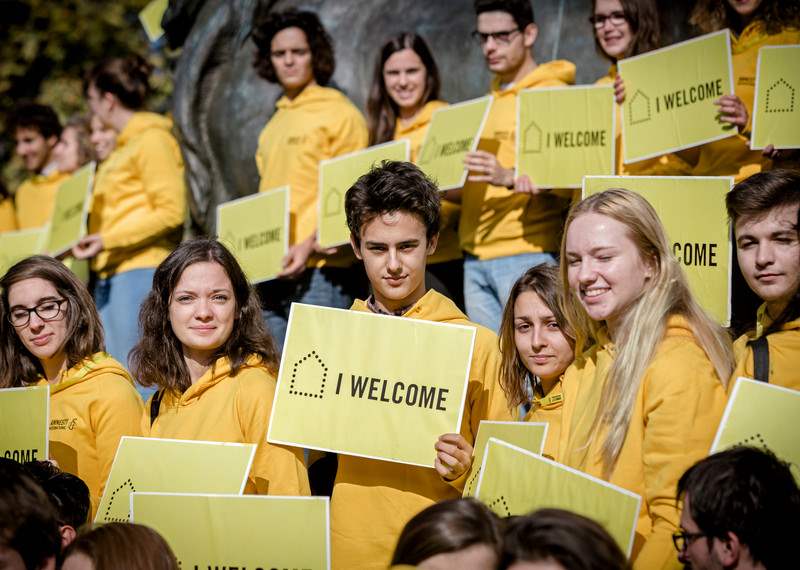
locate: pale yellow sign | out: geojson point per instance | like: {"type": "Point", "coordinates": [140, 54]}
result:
{"type": "Point", "coordinates": [454, 131]}
{"type": "Point", "coordinates": [150, 18]}
{"type": "Point", "coordinates": [256, 230]}
{"type": "Point", "coordinates": [670, 94]}
{"type": "Point", "coordinates": [228, 531]}
{"type": "Point", "coordinates": [565, 134]}
{"type": "Point", "coordinates": [172, 466]}
{"type": "Point", "coordinates": [337, 175]}
{"type": "Point", "coordinates": [24, 419]}
{"type": "Point", "coordinates": [370, 385]}
{"type": "Point", "coordinates": [692, 209]}
{"type": "Point", "coordinates": [527, 435]}
{"type": "Point", "coordinates": [17, 245]}
{"type": "Point", "coordinates": [514, 481]}
{"type": "Point", "coordinates": [776, 109]}
{"type": "Point", "coordinates": [68, 222]}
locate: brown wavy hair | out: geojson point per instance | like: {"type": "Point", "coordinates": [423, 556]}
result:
{"type": "Point", "coordinates": [127, 78]}
{"type": "Point", "coordinates": [124, 546]}
{"type": "Point", "coordinates": [84, 330]}
{"type": "Point", "coordinates": [642, 17]}
{"type": "Point", "coordinates": [157, 360]}
{"type": "Point", "coordinates": [776, 15]}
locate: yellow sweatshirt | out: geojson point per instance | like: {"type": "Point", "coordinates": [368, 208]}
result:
{"type": "Point", "coordinates": [448, 248]}
{"type": "Point", "coordinates": [236, 409]}
{"type": "Point", "coordinates": [549, 409]}
{"type": "Point", "coordinates": [496, 222]}
{"type": "Point", "coordinates": [139, 199]}
{"type": "Point", "coordinates": [676, 412]}
{"type": "Point", "coordinates": [318, 124]}
{"type": "Point", "coordinates": [732, 156]}
{"type": "Point", "coordinates": [373, 500]}
{"type": "Point", "coordinates": [35, 199]}
{"type": "Point", "coordinates": [8, 215]}
{"type": "Point", "coordinates": [91, 407]}
{"type": "Point", "coordinates": [784, 352]}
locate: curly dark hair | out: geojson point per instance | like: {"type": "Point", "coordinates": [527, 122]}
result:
{"type": "Point", "coordinates": [41, 118]}
{"type": "Point", "coordinates": [712, 15]}
{"type": "Point", "coordinates": [266, 24]}
{"type": "Point", "coordinates": [157, 360]}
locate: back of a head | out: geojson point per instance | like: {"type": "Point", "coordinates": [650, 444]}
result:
{"type": "Point", "coordinates": [127, 78]}
{"type": "Point", "coordinates": [124, 546]}
{"type": "Point", "coordinates": [751, 493]}
{"type": "Point", "coordinates": [68, 493]}
{"type": "Point", "coordinates": [520, 10]}
{"type": "Point", "coordinates": [37, 117]}
{"type": "Point", "coordinates": [554, 535]}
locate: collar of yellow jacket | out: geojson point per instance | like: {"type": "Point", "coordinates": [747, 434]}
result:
{"type": "Point", "coordinates": [98, 363]}
{"type": "Point", "coordinates": [559, 69]}
{"type": "Point", "coordinates": [310, 95]}
{"type": "Point", "coordinates": [220, 370]}
{"type": "Point", "coordinates": [433, 306]}
{"type": "Point", "coordinates": [763, 320]}
{"type": "Point", "coordinates": [754, 33]}
{"type": "Point", "coordinates": [677, 326]}
{"type": "Point", "coordinates": [140, 122]}
{"type": "Point", "coordinates": [52, 177]}
{"type": "Point", "coordinates": [422, 119]}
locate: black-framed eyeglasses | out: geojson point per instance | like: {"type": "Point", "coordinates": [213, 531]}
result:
{"type": "Point", "coordinates": [501, 37]}
{"type": "Point", "coordinates": [46, 310]}
{"type": "Point", "coordinates": [617, 18]}
{"type": "Point", "coordinates": [683, 539]}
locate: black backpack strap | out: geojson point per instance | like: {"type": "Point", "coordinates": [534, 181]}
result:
{"type": "Point", "coordinates": [155, 406]}
{"type": "Point", "coordinates": [760, 348]}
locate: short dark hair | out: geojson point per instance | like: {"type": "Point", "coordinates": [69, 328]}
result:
{"type": "Point", "coordinates": [41, 118]}
{"type": "Point", "coordinates": [751, 493]}
{"type": "Point", "coordinates": [266, 24]}
{"type": "Point", "coordinates": [68, 493]}
{"type": "Point", "coordinates": [572, 540]}
{"type": "Point", "coordinates": [127, 78]}
{"type": "Point", "coordinates": [28, 522]}
{"type": "Point", "coordinates": [393, 187]}
{"type": "Point", "coordinates": [520, 10]}
{"type": "Point", "coordinates": [445, 527]}
{"type": "Point", "coordinates": [763, 191]}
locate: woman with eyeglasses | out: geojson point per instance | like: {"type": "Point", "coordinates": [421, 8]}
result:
{"type": "Point", "coordinates": [50, 334]}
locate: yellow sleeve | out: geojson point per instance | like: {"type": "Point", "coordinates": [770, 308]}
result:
{"type": "Point", "coordinates": [160, 167]}
{"type": "Point", "coordinates": [277, 469]}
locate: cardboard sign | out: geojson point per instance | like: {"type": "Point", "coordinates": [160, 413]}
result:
{"type": "Point", "coordinates": [670, 94]}
{"type": "Point", "coordinates": [692, 209]}
{"type": "Point", "coordinates": [24, 423]}
{"type": "Point", "coordinates": [256, 230]}
{"type": "Point", "coordinates": [337, 175]}
{"type": "Point", "coordinates": [762, 415]}
{"type": "Point", "coordinates": [453, 132]}
{"type": "Point", "coordinates": [150, 18]}
{"type": "Point", "coordinates": [776, 109]}
{"type": "Point", "coordinates": [17, 245]}
{"type": "Point", "coordinates": [229, 531]}
{"type": "Point", "coordinates": [172, 466]}
{"type": "Point", "coordinates": [376, 386]}
{"type": "Point", "coordinates": [514, 481]}
{"type": "Point", "coordinates": [565, 134]}
{"type": "Point", "coordinates": [68, 223]}
{"type": "Point", "coordinates": [527, 435]}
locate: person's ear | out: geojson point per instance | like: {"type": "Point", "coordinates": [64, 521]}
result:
{"type": "Point", "coordinates": [68, 534]}
{"type": "Point", "coordinates": [529, 35]}
{"type": "Point", "coordinates": [51, 141]}
{"type": "Point", "coordinates": [356, 248]}
{"type": "Point", "coordinates": [728, 550]}
{"type": "Point", "coordinates": [432, 243]}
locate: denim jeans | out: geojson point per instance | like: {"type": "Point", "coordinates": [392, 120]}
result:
{"type": "Point", "coordinates": [118, 299]}
{"type": "Point", "coordinates": [487, 283]}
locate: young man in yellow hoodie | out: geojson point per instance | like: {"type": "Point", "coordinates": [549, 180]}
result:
{"type": "Point", "coordinates": [311, 123]}
{"type": "Point", "coordinates": [393, 214]}
{"type": "Point", "coordinates": [36, 131]}
{"type": "Point", "coordinates": [764, 212]}
{"type": "Point", "coordinates": [507, 225]}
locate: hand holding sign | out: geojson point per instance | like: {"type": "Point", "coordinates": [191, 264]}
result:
{"type": "Point", "coordinates": [453, 456]}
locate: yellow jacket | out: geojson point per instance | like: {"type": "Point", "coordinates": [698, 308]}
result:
{"type": "Point", "coordinates": [8, 215]}
{"type": "Point", "coordinates": [35, 199]}
{"type": "Point", "coordinates": [676, 412]}
{"type": "Point", "coordinates": [448, 247]}
{"type": "Point", "coordinates": [320, 123]}
{"type": "Point", "coordinates": [784, 352]}
{"type": "Point", "coordinates": [549, 409]}
{"type": "Point", "coordinates": [236, 409]}
{"type": "Point", "coordinates": [139, 199]}
{"type": "Point", "coordinates": [91, 407]}
{"type": "Point", "coordinates": [496, 222]}
{"type": "Point", "coordinates": [372, 500]}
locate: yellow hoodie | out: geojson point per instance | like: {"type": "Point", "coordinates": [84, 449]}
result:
{"type": "Point", "coordinates": [318, 124]}
{"type": "Point", "coordinates": [373, 500]}
{"type": "Point", "coordinates": [549, 409]}
{"type": "Point", "coordinates": [676, 411]}
{"type": "Point", "coordinates": [448, 247]}
{"type": "Point", "coordinates": [496, 222]}
{"type": "Point", "coordinates": [139, 199]}
{"type": "Point", "coordinates": [784, 352]}
{"type": "Point", "coordinates": [91, 407]}
{"type": "Point", "coordinates": [8, 215]}
{"type": "Point", "coordinates": [35, 199]}
{"type": "Point", "coordinates": [236, 409]}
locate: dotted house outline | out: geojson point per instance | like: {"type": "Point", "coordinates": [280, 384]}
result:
{"type": "Point", "coordinates": [311, 357]}
{"type": "Point", "coordinates": [639, 108]}
{"type": "Point", "coordinates": [780, 101]}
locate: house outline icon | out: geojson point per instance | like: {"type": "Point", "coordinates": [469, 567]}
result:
{"type": "Point", "coordinates": [639, 108]}
{"type": "Point", "coordinates": [313, 359]}
{"type": "Point", "coordinates": [532, 139]}
{"type": "Point", "coordinates": [780, 97]}
{"type": "Point", "coordinates": [430, 151]}
{"type": "Point", "coordinates": [333, 203]}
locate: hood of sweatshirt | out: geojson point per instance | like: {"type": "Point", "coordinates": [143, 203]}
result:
{"type": "Point", "coordinates": [552, 73]}
{"type": "Point", "coordinates": [422, 118]}
{"type": "Point", "coordinates": [96, 365]}
{"type": "Point", "coordinates": [213, 376]}
{"type": "Point", "coordinates": [311, 97]}
{"type": "Point", "coordinates": [433, 306]}
{"type": "Point", "coordinates": [141, 122]}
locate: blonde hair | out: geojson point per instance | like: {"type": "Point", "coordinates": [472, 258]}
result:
{"type": "Point", "coordinates": [643, 325]}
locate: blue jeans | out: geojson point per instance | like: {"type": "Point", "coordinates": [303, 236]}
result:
{"type": "Point", "coordinates": [487, 283]}
{"type": "Point", "coordinates": [118, 299]}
